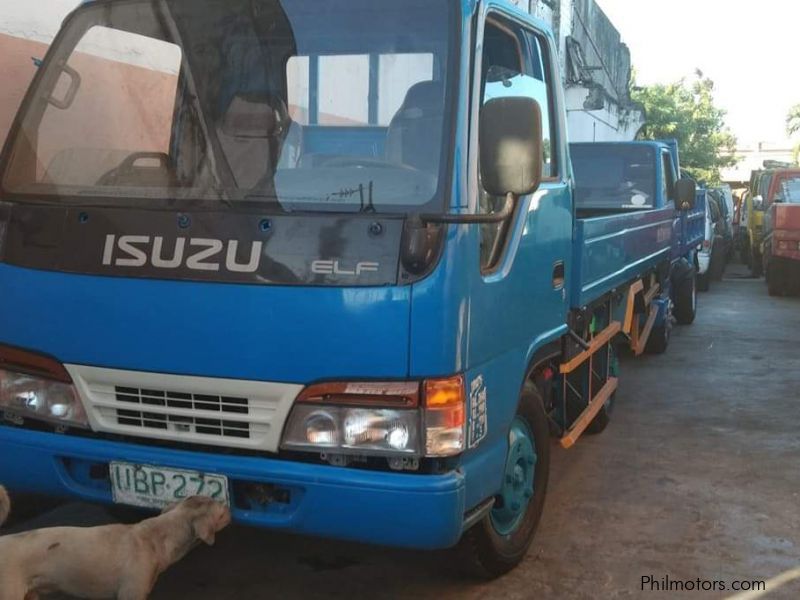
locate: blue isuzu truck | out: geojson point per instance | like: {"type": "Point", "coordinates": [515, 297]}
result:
{"type": "Point", "coordinates": [325, 262]}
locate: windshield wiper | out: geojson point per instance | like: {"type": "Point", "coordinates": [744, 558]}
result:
{"type": "Point", "coordinates": [337, 199]}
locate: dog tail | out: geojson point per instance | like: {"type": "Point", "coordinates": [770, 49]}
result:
{"type": "Point", "coordinates": [5, 505]}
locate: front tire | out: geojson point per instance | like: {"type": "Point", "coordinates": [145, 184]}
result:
{"type": "Point", "coordinates": [499, 542]}
{"type": "Point", "coordinates": [775, 281]}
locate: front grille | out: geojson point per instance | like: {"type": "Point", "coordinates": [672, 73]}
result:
{"type": "Point", "coordinates": [192, 410]}
{"type": "Point", "coordinates": [181, 423]}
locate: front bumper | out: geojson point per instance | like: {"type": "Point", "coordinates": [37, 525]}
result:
{"type": "Point", "coordinates": [393, 509]}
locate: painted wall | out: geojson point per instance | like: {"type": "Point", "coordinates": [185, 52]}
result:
{"type": "Point", "coordinates": [26, 29]}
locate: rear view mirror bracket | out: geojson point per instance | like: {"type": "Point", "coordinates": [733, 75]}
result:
{"type": "Point", "coordinates": [72, 91]}
{"type": "Point", "coordinates": [500, 216]}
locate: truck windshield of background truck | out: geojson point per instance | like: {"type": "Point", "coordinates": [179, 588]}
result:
{"type": "Point", "coordinates": [302, 104]}
{"type": "Point", "coordinates": [614, 177]}
{"type": "Point", "coordinates": [789, 191]}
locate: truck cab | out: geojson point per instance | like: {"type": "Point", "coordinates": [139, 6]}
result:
{"type": "Point", "coordinates": [781, 246]}
{"type": "Point", "coordinates": [759, 182]}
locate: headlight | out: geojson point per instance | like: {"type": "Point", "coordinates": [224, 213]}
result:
{"type": "Point", "coordinates": [400, 419]}
{"type": "Point", "coordinates": [36, 387]}
{"type": "Point", "coordinates": [355, 430]}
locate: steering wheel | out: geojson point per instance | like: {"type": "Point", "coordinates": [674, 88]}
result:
{"type": "Point", "coordinates": [129, 166]}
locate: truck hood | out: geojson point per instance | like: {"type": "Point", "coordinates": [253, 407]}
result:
{"type": "Point", "coordinates": [262, 333]}
{"type": "Point", "coordinates": [787, 218]}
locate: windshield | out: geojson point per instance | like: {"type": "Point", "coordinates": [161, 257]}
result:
{"type": "Point", "coordinates": [308, 104]}
{"type": "Point", "coordinates": [614, 176]}
{"type": "Point", "coordinates": [789, 191]}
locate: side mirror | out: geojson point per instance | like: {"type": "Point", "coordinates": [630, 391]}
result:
{"type": "Point", "coordinates": [685, 193]}
{"type": "Point", "coordinates": [511, 146]}
{"type": "Point", "coordinates": [758, 203]}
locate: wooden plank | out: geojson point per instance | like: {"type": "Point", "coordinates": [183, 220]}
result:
{"type": "Point", "coordinates": [598, 342]}
{"type": "Point", "coordinates": [589, 413]}
{"type": "Point", "coordinates": [632, 291]}
{"type": "Point", "coordinates": [641, 340]}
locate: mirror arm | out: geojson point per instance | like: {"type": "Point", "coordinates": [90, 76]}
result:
{"type": "Point", "coordinates": [483, 219]}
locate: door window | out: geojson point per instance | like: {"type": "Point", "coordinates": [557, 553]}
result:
{"type": "Point", "coordinates": [668, 180]}
{"type": "Point", "coordinates": [513, 65]}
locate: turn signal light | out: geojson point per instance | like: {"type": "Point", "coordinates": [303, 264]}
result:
{"type": "Point", "coordinates": [445, 416]}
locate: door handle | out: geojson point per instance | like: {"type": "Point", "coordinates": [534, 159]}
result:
{"type": "Point", "coordinates": [559, 274]}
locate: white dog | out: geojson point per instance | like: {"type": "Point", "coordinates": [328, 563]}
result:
{"type": "Point", "coordinates": [113, 561]}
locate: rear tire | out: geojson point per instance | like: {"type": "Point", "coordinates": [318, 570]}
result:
{"type": "Point", "coordinates": [703, 283]}
{"type": "Point", "coordinates": [686, 300]}
{"type": "Point", "coordinates": [744, 253]}
{"type": "Point", "coordinates": [756, 265]}
{"type": "Point", "coordinates": [500, 541]}
{"type": "Point", "coordinates": [716, 270]}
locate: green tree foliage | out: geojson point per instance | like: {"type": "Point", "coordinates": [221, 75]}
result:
{"type": "Point", "coordinates": [685, 110]}
{"type": "Point", "coordinates": [793, 127]}
{"type": "Point", "coordinates": [793, 120]}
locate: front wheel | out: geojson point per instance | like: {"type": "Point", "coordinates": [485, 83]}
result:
{"type": "Point", "coordinates": [775, 283]}
{"type": "Point", "coordinates": [499, 542]}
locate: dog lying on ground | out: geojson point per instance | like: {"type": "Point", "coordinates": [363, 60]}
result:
{"type": "Point", "coordinates": [113, 561]}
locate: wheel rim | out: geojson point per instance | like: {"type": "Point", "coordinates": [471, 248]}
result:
{"type": "Point", "coordinates": [518, 479]}
{"type": "Point", "coordinates": [694, 295]}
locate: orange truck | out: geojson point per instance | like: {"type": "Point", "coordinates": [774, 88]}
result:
{"type": "Point", "coordinates": [781, 245]}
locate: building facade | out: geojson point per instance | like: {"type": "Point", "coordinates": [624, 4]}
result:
{"type": "Point", "coordinates": [597, 70]}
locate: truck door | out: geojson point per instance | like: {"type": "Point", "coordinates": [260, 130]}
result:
{"type": "Point", "coordinates": [523, 263]}
{"type": "Point", "coordinates": [667, 192]}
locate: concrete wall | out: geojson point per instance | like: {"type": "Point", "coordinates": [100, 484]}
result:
{"type": "Point", "coordinates": [596, 66]}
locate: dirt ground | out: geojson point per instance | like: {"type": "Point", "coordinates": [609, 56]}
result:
{"type": "Point", "coordinates": [696, 478]}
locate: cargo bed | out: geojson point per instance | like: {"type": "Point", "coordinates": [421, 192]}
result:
{"type": "Point", "coordinates": [615, 250]}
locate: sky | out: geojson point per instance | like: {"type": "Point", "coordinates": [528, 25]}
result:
{"type": "Point", "coordinates": [748, 48]}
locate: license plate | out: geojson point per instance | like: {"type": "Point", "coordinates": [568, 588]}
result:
{"type": "Point", "coordinates": [156, 487]}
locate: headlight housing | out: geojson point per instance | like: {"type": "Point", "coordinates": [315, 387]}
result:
{"type": "Point", "coordinates": [38, 387]}
{"type": "Point", "coordinates": [393, 419]}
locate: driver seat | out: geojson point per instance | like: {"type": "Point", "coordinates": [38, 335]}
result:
{"type": "Point", "coordinates": [414, 134]}
{"type": "Point", "coordinates": [253, 135]}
